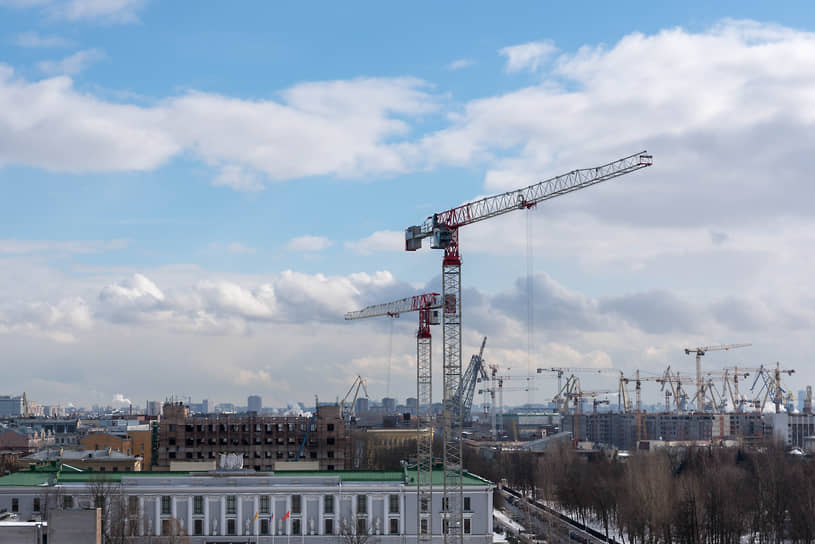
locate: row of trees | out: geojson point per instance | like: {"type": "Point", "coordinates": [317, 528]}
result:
{"type": "Point", "coordinates": [701, 496]}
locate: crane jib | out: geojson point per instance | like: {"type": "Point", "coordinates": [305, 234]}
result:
{"type": "Point", "coordinates": [441, 225]}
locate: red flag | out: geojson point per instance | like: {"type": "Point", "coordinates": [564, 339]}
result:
{"type": "Point", "coordinates": [286, 516]}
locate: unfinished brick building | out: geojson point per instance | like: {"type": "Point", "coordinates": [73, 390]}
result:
{"type": "Point", "coordinates": [262, 440]}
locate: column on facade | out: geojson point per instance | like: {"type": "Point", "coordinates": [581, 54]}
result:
{"type": "Point", "coordinates": [353, 521]}
{"type": "Point", "coordinates": [402, 513]}
{"type": "Point", "coordinates": [256, 516]}
{"type": "Point", "coordinates": [239, 522]}
{"type": "Point", "coordinates": [222, 523]}
{"type": "Point", "coordinates": [190, 524]}
{"type": "Point", "coordinates": [369, 502]}
{"type": "Point", "coordinates": [173, 508]}
{"type": "Point", "coordinates": [320, 515]}
{"type": "Point", "coordinates": [287, 525]}
{"type": "Point", "coordinates": [206, 516]}
{"type": "Point", "coordinates": [157, 519]}
{"type": "Point", "coordinates": [141, 516]}
{"type": "Point", "coordinates": [304, 522]}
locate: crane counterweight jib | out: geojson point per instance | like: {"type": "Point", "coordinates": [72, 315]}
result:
{"type": "Point", "coordinates": [427, 301]}
{"type": "Point", "coordinates": [439, 226]}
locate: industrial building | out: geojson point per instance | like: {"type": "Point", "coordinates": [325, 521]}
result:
{"type": "Point", "coordinates": [250, 506]}
{"type": "Point", "coordinates": [262, 440]}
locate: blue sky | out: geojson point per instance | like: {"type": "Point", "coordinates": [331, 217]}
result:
{"type": "Point", "coordinates": [197, 184]}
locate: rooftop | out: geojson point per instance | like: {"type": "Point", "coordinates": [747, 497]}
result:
{"type": "Point", "coordinates": [51, 474]}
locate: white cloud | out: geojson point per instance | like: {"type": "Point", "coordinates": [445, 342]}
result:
{"type": "Point", "coordinates": [527, 56]}
{"type": "Point", "coordinates": [24, 247]}
{"type": "Point", "coordinates": [309, 243]}
{"type": "Point", "coordinates": [72, 64]}
{"type": "Point", "coordinates": [238, 178]}
{"type": "Point", "coordinates": [58, 322]}
{"type": "Point", "coordinates": [460, 64]}
{"type": "Point", "coordinates": [105, 11]}
{"type": "Point", "coordinates": [237, 248]}
{"type": "Point", "coordinates": [35, 40]}
{"type": "Point", "coordinates": [340, 128]}
{"type": "Point", "coordinates": [383, 240]}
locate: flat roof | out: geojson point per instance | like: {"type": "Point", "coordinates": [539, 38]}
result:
{"type": "Point", "coordinates": [41, 476]}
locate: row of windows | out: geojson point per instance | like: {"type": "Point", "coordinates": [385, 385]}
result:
{"type": "Point", "coordinates": [296, 526]}
{"type": "Point", "coordinates": [212, 441]}
{"type": "Point", "coordinates": [245, 427]}
{"type": "Point", "coordinates": [296, 504]}
{"type": "Point", "coordinates": [291, 454]}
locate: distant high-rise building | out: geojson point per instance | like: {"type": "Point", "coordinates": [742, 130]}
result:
{"type": "Point", "coordinates": [412, 405]}
{"type": "Point", "coordinates": [389, 405]}
{"type": "Point", "coordinates": [205, 408]}
{"type": "Point", "coordinates": [11, 406]}
{"type": "Point", "coordinates": [802, 395]}
{"type": "Point", "coordinates": [153, 408]}
{"type": "Point", "coordinates": [361, 406]}
{"type": "Point", "coordinates": [255, 403]}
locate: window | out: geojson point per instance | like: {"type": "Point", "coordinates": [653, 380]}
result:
{"type": "Point", "coordinates": [264, 526]}
{"type": "Point", "coordinates": [230, 526]}
{"type": "Point", "coordinates": [329, 526]}
{"type": "Point", "coordinates": [171, 428]}
{"type": "Point", "coordinates": [230, 504]}
{"type": "Point", "coordinates": [132, 505]}
{"type": "Point", "coordinates": [199, 527]}
{"type": "Point", "coordinates": [467, 504]}
{"type": "Point", "coordinates": [393, 504]}
{"type": "Point", "coordinates": [198, 505]}
{"type": "Point", "coordinates": [67, 502]}
{"type": "Point", "coordinates": [295, 526]}
{"type": "Point", "coordinates": [445, 504]}
{"type": "Point", "coordinates": [15, 504]}
{"type": "Point", "coordinates": [165, 505]}
{"type": "Point", "coordinates": [424, 526]}
{"type": "Point", "coordinates": [330, 440]}
{"type": "Point", "coordinates": [330, 467]}
{"type": "Point", "coordinates": [328, 504]}
{"type": "Point", "coordinates": [362, 504]}
{"type": "Point", "coordinates": [425, 504]}
{"type": "Point", "coordinates": [394, 526]}
{"type": "Point", "coordinates": [467, 526]}
{"type": "Point", "coordinates": [330, 454]}
{"type": "Point", "coordinates": [330, 427]}
{"type": "Point", "coordinates": [264, 504]}
{"type": "Point", "coordinates": [445, 525]}
{"type": "Point", "coordinates": [361, 528]}
{"type": "Point", "coordinates": [295, 504]}
{"type": "Point", "coordinates": [36, 507]}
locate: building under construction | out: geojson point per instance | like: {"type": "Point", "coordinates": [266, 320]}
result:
{"type": "Point", "coordinates": [262, 440]}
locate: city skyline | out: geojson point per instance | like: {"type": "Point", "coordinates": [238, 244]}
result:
{"type": "Point", "coordinates": [192, 201]}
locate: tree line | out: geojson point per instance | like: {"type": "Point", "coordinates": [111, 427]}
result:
{"type": "Point", "coordinates": [697, 496]}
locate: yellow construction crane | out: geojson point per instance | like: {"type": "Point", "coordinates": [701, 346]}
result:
{"type": "Point", "coordinates": [642, 433]}
{"type": "Point", "coordinates": [560, 371]}
{"type": "Point", "coordinates": [700, 383]}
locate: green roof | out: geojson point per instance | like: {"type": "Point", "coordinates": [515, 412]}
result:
{"type": "Point", "coordinates": [43, 474]}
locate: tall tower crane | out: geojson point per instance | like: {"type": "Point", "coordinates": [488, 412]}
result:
{"type": "Point", "coordinates": [443, 228]}
{"type": "Point", "coordinates": [427, 305]}
{"type": "Point", "coordinates": [642, 433]}
{"type": "Point", "coordinates": [700, 382]}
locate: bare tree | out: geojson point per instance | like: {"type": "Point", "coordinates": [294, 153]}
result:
{"type": "Point", "coordinates": [354, 533]}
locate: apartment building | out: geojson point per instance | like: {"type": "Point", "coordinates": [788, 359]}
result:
{"type": "Point", "coordinates": [262, 440]}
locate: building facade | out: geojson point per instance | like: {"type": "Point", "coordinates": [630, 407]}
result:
{"type": "Point", "coordinates": [262, 440]}
{"type": "Point", "coordinates": [315, 508]}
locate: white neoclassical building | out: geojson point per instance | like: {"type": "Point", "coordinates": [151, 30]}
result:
{"type": "Point", "coordinates": [243, 506]}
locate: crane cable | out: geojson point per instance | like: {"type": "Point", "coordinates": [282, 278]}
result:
{"type": "Point", "coordinates": [390, 357]}
{"type": "Point", "coordinates": [530, 302]}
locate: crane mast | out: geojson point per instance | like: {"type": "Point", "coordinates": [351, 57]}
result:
{"type": "Point", "coordinates": [427, 305]}
{"type": "Point", "coordinates": [700, 381]}
{"type": "Point", "coordinates": [443, 228]}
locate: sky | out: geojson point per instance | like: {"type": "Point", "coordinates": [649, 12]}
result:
{"type": "Point", "coordinates": [193, 194]}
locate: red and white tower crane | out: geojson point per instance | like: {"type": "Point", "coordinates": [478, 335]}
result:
{"type": "Point", "coordinates": [443, 229]}
{"type": "Point", "coordinates": [428, 306]}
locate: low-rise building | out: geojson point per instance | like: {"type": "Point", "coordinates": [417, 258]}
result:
{"type": "Point", "coordinates": [93, 460]}
{"type": "Point", "coordinates": [246, 506]}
